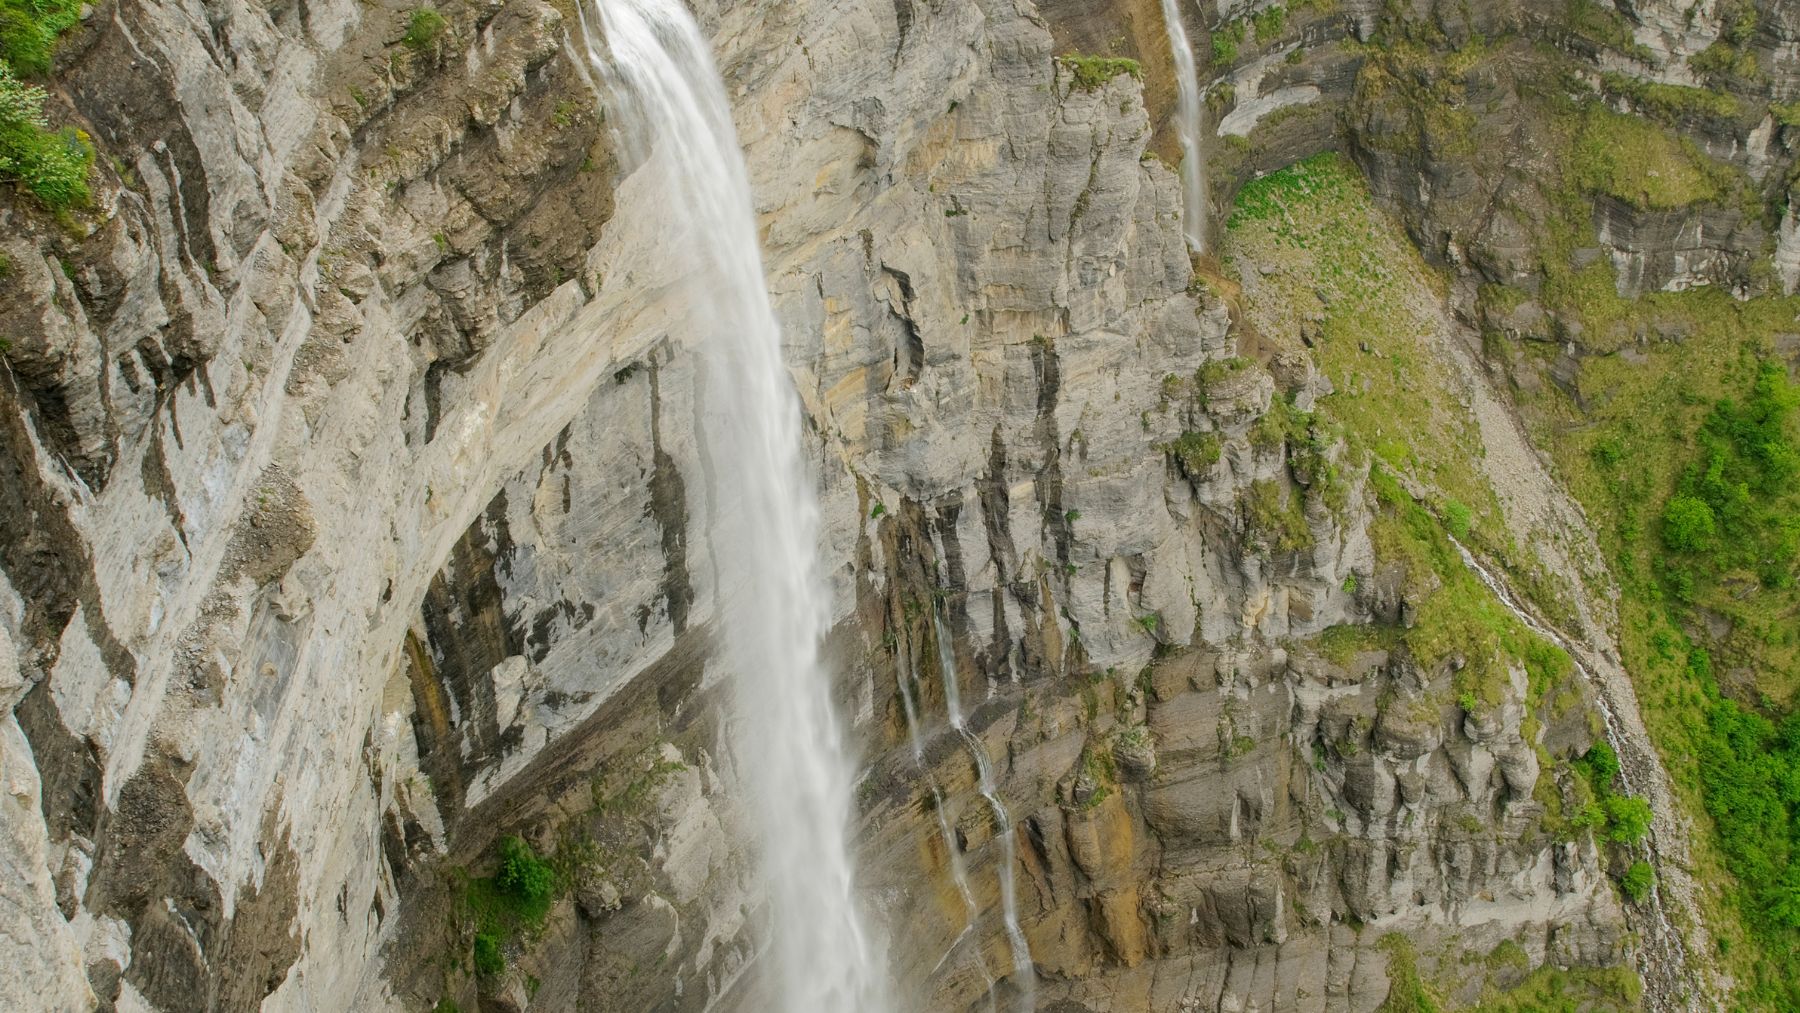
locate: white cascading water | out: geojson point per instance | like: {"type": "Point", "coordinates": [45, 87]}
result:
{"type": "Point", "coordinates": [1024, 971]}
{"type": "Point", "coordinates": [774, 605]}
{"type": "Point", "coordinates": [1663, 956]}
{"type": "Point", "coordinates": [959, 875]}
{"type": "Point", "coordinates": [1187, 128]}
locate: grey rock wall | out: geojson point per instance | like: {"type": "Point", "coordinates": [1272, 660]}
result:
{"type": "Point", "coordinates": [356, 517]}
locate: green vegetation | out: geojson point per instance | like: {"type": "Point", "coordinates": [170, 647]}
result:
{"type": "Point", "coordinates": [1750, 766]}
{"type": "Point", "coordinates": [1276, 518]}
{"type": "Point", "coordinates": [1602, 23]}
{"type": "Point", "coordinates": [1722, 61]}
{"type": "Point", "coordinates": [1457, 518]}
{"type": "Point", "coordinates": [1422, 89]}
{"type": "Point", "coordinates": [51, 164]}
{"type": "Point", "coordinates": [489, 961]}
{"type": "Point", "coordinates": [1341, 644]}
{"type": "Point", "coordinates": [1457, 614]}
{"type": "Point", "coordinates": [1225, 41]}
{"type": "Point", "coordinates": [28, 31]}
{"type": "Point", "coordinates": [1213, 371]}
{"type": "Point", "coordinates": [1614, 818]}
{"type": "Point", "coordinates": [1670, 101]}
{"type": "Point", "coordinates": [1350, 276]}
{"type": "Point", "coordinates": [1092, 72]}
{"type": "Point", "coordinates": [1346, 274]}
{"type": "Point", "coordinates": [423, 28]}
{"type": "Point", "coordinates": [1689, 473]}
{"type": "Point", "coordinates": [512, 901]}
{"type": "Point", "coordinates": [1641, 163]}
{"type": "Point", "coordinates": [1406, 992]}
{"type": "Point", "coordinates": [1195, 452]}
{"type": "Point", "coordinates": [1097, 767]}
{"type": "Point", "coordinates": [1627, 818]}
{"type": "Point", "coordinates": [523, 874]}
{"type": "Point", "coordinates": [1682, 452]}
{"type": "Point", "coordinates": [1734, 511]}
{"type": "Point", "coordinates": [1576, 990]}
{"type": "Point", "coordinates": [1269, 23]}
{"type": "Point", "coordinates": [1600, 766]}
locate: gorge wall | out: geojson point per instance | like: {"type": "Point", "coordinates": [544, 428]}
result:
{"type": "Point", "coordinates": [356, 519]}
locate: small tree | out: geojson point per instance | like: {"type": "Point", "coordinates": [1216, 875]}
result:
{"type": "Point", "coordinates": [1688, 524]}
{"type": "Point", "coordinates": [489, 961]}
{"type": "Point", "coordinates": [1627, 818]}
{"type": "Point", "coordinates": [1601, 765]}
{"type": "Point", "coordinates": [523, 874]}
{"type": "Point", "coordinates": [1637, 881]}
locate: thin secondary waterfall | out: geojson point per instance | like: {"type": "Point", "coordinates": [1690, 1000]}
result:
{"type": "Point", "coordinates": [1664, 954]}
{"type": "Point", "coordinates": [774, 605]}
{"type": "Point", "coordinates": [959, 874]}
{"type": "Point", "coordinates": [1024, 971]}
{"type": "Point", "coordinates": [1187, 127]}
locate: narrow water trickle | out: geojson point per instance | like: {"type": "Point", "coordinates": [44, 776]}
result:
{"type": "Point", "coordinates": [668, 103]}
{"type": "Point", "coordinates": [959, 874]}
{"type": "Point", "coordinates": [1024, 970]}
{"type": "Point", "coordinates": [1194, 215]}
{"type": "Point", "coordinates": [1663, 954]}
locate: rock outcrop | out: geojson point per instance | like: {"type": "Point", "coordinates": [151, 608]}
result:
{"type": "Point", "coordinates": [356, 517]}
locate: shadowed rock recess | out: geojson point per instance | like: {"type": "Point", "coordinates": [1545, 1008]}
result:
{"type": "Point", "coordinates": [1311, 604]}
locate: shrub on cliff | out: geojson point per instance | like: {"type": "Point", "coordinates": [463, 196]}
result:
{"type": "Point", "coordinates": [1637, 881]}
{"type": "Point", "coordinates": [1092, 72]}
{"type": "Point", "coordinates": [423, 28]}
{"type": "Point", "coordinates": [53, 165]}
{"type": "Point", "coordinates": [28, 31]}
{"type": "Point", "coordinates": [523, 874]}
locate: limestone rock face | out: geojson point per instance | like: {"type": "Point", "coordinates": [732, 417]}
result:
{"type": "Point", "coordinates": [356, 518]}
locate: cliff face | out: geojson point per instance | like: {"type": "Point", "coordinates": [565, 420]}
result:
{"type": "Point", "coordinates": [356, 519]}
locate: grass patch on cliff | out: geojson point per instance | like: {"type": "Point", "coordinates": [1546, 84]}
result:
{"type": "Point", "coordinates": [1671, 102]}
{"type": "Point", "coordinates": [1457, 616]}
{"type": "Point", "coordinates": [1603, 24]}
{"type": "Point", "coordinates": [29, 29]}
{"type": "Point", "coordinates": [51, 165]}
{"type": "Point", "coordinates": [1091, 73]}
{"type": "Point", "coordinates": [1641, 163]}
{"type": "Point", "coordinates": [510, 903]}
{"type": "Point", "coordinates": [423, 28]}
{"type": "Point", "coordinates": [1276, 518]}
{"type": "Point", "coordinates": [1225, 40]}
{"type": "Point", "coordinates": [1406, 990]}
{"type": "Point", "coordinates": [1320, 263]}
{"type": "Point", "coordinates": [1576, 990]}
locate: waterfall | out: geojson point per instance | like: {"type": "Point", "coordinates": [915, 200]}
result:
{"type": "Point", "coordinates": [1024, 971]}
{"type": "Point", "coordinates": [1194, 216]}
{"type": "Point", "coordinates": [774, 606]}
{"type": "Point", "coordinates": [959, 874]}
{"type": "Point", "coordinates": [1663, 949]}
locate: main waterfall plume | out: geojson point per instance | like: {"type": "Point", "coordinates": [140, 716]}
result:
{"type": "Point", "coordinates": [774, 604]}
{"type": "Point", "coordinates": [1187, 128]}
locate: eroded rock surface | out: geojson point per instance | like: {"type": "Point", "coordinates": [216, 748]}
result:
{"type": "Point", "coordinates": [356, 517]}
